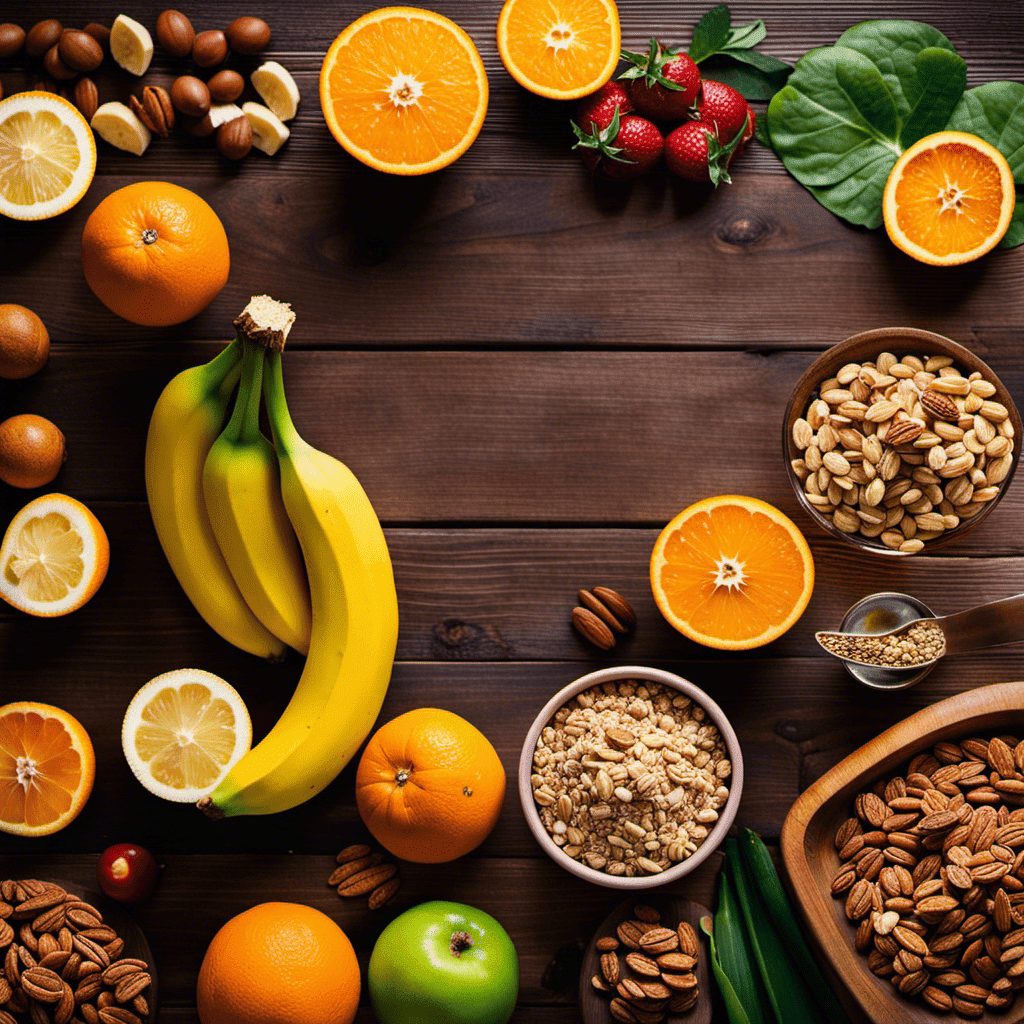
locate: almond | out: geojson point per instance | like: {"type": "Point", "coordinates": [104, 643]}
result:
{"type": "Point", "coordinates": [610, 968]}
{"type": "Point", "coordinates": [642, 965]}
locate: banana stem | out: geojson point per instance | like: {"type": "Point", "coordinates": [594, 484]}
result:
{"type": "Point", "coordinates": [245, 417]}
{"type": "Point", "coordinates": [285, 434]}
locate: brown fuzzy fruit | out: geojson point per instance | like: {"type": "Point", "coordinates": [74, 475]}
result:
{"type": "Point", "coordinates": [24, 342]}
{"type": "Point", "coordinates": [31, 451]}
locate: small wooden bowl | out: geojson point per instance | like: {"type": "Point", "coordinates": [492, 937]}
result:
{"type": "Point", "coordinates": [809, 852]}
{"type": "Point", "coordinates": [594, 1005]}
{"type": "Point", "coordinates": [867, 345]}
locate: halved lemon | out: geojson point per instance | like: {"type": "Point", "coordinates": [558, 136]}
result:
{"type": "Point", "coordinates": [47, 156]}
{"type": "Point", "coordinates": [404, 90]}
{"type": "Point", "coordinates": [561, 49]}
{"type": "Point", "coordinates": [53, 557]}
{"type": "Point", "coordinates": [47, 767]}
{"type": "Point", "coordinates": [949, 199]}
{"type": "Point", "coordinates": [732, 572]}
{"type": "Point", "coordinates": [183, 732]}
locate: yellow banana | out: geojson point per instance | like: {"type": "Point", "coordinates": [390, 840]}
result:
{"type": "Point", "coordinates": [185, 422]}
{"type": "Point", "coordinates": [355, 629]}
{"type": "Point", "coordinates": [242, 487]}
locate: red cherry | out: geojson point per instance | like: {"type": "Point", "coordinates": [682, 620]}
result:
{"type": "Point", "coordinates": [127, 873]}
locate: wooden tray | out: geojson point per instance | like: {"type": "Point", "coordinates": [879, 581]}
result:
{"type": "Point", "coordinates": [120, 919]}
{"type": "Point", "coordinates": [594, 1005]}
{"type": "Point", "coordinates": [808, 838]}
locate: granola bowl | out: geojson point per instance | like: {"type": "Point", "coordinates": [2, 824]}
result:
{"type": "Point", "coordinates": [909, 468]}
{"type": "Point", "coordinates": [643, 786]}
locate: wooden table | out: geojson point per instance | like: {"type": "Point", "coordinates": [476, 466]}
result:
{"type": "Point", "coordinates": [530, 374]}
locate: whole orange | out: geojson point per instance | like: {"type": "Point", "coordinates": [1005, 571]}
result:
{"type": "Point", "coordinates": [279, 963]}
{"type": "Point", "coordinates": [31, 451]}
{"type": "Point", "coordinates": [430, 786]}
{"type": "Point", "coordinates": [155, 253]}
{"type": "Point", "coordinates": [24, 342]}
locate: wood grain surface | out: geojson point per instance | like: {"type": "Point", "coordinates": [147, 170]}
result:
{"type": "Point", "coordinates": [530, 372]}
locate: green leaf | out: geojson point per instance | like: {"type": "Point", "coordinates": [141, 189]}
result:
{"type": "Point", "coordinates": [762, 61]}
{"type": "Point", "coordinates": [1015, 232]}
{"type": "Point", "coordinates": [734, 1006]}
{"type": "Point", "coordinates": [746, 36]}
{"type": "Point", "coordinates": [711, 33]}
{"type": "Point", "coordinates": [870, 97]}
{"type": "Point", "coordinates": [995, 112]}
{"type": "Point", "coordinates": [893, 47]}
{"type": "Point", "coordinates": [746, 80]}
{"type": "Point", "coordinates": [736, 956]}
{"type": "Point", "coordinates": [943, 77]}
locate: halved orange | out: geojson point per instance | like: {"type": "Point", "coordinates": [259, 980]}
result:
{"type": "Point", "coordinates": [404, 90]}
{"type": "Point", "coordinates": [47, 767]}
{"type": "Point", "coordinates": [949, 199]}
{"type": "Point", "coordinates": [732, 572]}
{"type": "Point", "coordinates": [561, 49]}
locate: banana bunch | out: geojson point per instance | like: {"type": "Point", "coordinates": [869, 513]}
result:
{"type": "Point", "coordinates": [274, 545]}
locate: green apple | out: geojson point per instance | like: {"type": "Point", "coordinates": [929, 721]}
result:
{"type": "Point", "coordinates": [443, 963]}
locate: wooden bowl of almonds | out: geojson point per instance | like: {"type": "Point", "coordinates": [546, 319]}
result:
{"type": "Point", "coordinates": [907, 863]}
{"type": "Point", "coordinates": [899, 440]}
{"type": "Point", "coordinates": [630, 777]}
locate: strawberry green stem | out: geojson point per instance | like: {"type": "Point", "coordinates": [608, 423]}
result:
{"type": "Point", "coordinates": [245, 418]}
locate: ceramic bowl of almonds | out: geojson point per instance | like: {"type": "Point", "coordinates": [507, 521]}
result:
{"type": "Point", "coordinates": [630, 777]}
{"type": "Point", "coordinates": [898, 440]}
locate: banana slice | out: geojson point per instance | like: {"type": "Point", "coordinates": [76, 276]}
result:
{"type": "Point", "coordinates": [277, 89]}
{"type": "Point", "coordinates": [131, 45]}
{"type": "Point", "coordinates": [269, 132]}
{"type": "Point", "coordinates": [116, 124]}
{"type": "Point", "coordinates": [222, 113]}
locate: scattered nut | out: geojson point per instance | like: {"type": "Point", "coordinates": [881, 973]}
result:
{"type": "Point", "coordinates": [155, 111]}
{"type": "Point", "coordinates": [248, 35]}
{"type": "Point", "coordinates": [42, 35]}
{"type": "Point", "coordinates": [55, 66]}
{"type": "Point", "coordinates": [210, 48]}
{"type": "Point", "coordinates": [226, 86]}
{"type": "Point", "coordinates": [174, 33]}
{"type": "Point", "coordinates": [603, 614]}
{"type": "Point", "coordinates": [12, 39]}
{"type": "Point", "coordinates": [234, 139]}
{"type": "Point", "coordinates": [86, 97]}
{"type": "Point", "coordinates": [362, 872]}
{"type": "Point", "coordinates": [78, 50]}
{"type": "Point", "coordinates": [190, 96]}
{"type": "Point", "coordinates": [100, 33]}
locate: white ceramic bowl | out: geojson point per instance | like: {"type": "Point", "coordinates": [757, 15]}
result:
{"type": "Point", "coordinates": [714, 837]}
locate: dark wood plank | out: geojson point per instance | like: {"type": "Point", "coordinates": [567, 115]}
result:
{"type": "Point", "coordinates": [489, 437]}
{"type": "Point", "coordinates": [547, 912]}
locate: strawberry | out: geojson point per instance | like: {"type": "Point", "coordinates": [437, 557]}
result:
{"type": "Point", "coordinates": [628, 147]}
{"type": "Point", "coordinates": [722, 106]}
{"type": "Point", "coordinates": [600, 108]}
{"type": "Point", "coordinates": [693, 152]}
{"type": "Point", "coordinates": [662, 84]}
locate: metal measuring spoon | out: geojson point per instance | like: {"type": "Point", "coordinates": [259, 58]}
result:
{"type": "Point", "coordinates": [987, 625]}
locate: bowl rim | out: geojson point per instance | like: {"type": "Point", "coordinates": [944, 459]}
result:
{"type": "Point", "coordinates": [982, 708]}
{"type": "Point", "coordinates": [813, 375]}
{"type": "Point", "coordinates": [714, 837]}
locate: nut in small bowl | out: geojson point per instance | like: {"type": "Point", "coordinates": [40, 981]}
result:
{"type": "Point", "coordinates": [648, 783]}
{"type": "Point", "coordinates": [898, 440]}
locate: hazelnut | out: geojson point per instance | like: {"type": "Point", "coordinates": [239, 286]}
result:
{"type": "Point", "coordinates": [234, 139]}
{"type": "Point", "coordinates": [226, 86]}
{"type": "Point", "coordinates": [55, 67]}
{"type": "Point", "coordinates": [210, 48]}
{"type": "Point", "coordinates": [174, 32]}
{"type": "Point", "coordinates": [86, 97]}
{"type": "Point", "coordinates": [100, 33]}
{"type": "Point", "coordinates": [190, 96]}
{"type": "Point", "coordinates": [248, 35]}
{"type": "Point", "coordinates": [42, 35]}
{"type": "Point", "coordinates": [12, 39]}
{"type": "Point", "coordinates": [79, 50]}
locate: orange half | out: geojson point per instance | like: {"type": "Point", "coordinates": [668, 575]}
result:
{"type": "Point", "coordinates": [47, 768]}
{"type": "Point", "coordinates": [949, 199]}
{"type": "Point", "coordinates": [561, 49]}
{"type": "Point", "coordinates": [404, 90]}
{"type": "Point", "coordinates": [732, 573]}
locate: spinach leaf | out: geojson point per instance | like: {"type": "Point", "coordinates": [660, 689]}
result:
{"type": "Point", "coordinates": [995, 112]}
{"type": "Point", "coordinates": [943, 78]}
{"type": "Point", "coordinates": [746, 36]}
{"type": "Point", "coordinates": [711, 33]}
{"type": "Point", "coordinates": [749, 81]}
{"type": "Point", "coordinates": [893, 47]}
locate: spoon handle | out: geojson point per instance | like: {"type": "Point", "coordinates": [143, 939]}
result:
{"type": "Point", "coordinates": [988, 625]}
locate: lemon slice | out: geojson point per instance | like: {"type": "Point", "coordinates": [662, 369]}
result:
{"type": "Point", "coordinates": [182, 733]}
{"type": "Point", "coordinates": [53, 558]}
{"type": "Point", "coordinates": [47, 156]}
{"type": "Point", "coordinates": [116, 124]}
{"type": "Point", "coordinates": [269, 132]}
{"type": "Point", "coordinates": [277, 89]}
{"type": "Point", "coordinates": [131, 45]}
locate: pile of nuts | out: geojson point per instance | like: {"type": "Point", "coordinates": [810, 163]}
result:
{"type": "Point", "coordinates": [656, 975]}
{"type": "Point", "coordinates": [902, 450]}
{"type": "Point", "coordinates": [923, 642]}
{"type": "Point", "coordinates": [629, 777]}
{"type": "Point", "coordinates": [206, 108]}
{"type": "Point", "coordinates": [361, 872]}
{"type": "Point", "coordinates": [932, 873]}
{"type": "Point", "coordinates": [61, 963]}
